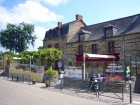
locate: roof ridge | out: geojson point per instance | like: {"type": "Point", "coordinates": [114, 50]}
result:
{"type": "Point", "coordinates": [113, 20]}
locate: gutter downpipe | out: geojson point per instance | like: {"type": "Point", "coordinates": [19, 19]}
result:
{"type": "Point", "coordinates": [84, 66]}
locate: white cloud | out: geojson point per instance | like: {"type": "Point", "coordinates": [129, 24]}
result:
{"type": "Point", "coordinates": [29, 12]}
{"type": "Point", "coordinates": [35, 12]}
{"type": "Point", "coordinates": [56, 2]}
{"type": "Point", "coordinates": [52, 2]}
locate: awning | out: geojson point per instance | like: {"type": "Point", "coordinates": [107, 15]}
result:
{"type": "Point", "coordinates": [16, 58]}
{"type": "Point", "coordinates": [98, 57]}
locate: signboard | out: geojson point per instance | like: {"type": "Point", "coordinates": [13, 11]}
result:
{"type": "Point", "coordinates": [6, 58]}
{"type": "Point", "coordinates": [114, 68]}
{"type": "Point", "coordinates": [73, 72]}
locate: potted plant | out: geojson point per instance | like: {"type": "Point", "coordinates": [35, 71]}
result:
{"type": "Point", "coordinates": [51, 55]}
{"type": "Point", "coordinates": [34, 81]}
{"type": "Point", "coordinates": [50, 75]}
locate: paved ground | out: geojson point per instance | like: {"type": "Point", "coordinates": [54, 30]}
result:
{"type": "Point", "coordinates": [19, 93]}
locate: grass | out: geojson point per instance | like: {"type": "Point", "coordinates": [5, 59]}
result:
{"type": "Point", "coordinates": [33, 75]}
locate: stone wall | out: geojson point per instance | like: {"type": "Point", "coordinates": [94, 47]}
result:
{"type": "Point", "coordinates": [131, 46]}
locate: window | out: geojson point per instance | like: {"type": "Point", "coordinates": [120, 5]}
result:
{"type": "Point", "coordinates": [58, 31]}
{"type": "Point", "coordinates": [81, 37]}
{"type": "Point", "coordinates": [57, 45]}
{"type": "Point", "coordinates": [108, 32]}
{"type": "Point", "coordinates": [80, 49]}
{"type": "Point", "coordinates": [94, 48]}
{"type": "Point", "coordinates": [49, 46]}
{"type": "Point", "coordinates": [50, 33]}
{"type": "Point", "coordinates": [111, 47]}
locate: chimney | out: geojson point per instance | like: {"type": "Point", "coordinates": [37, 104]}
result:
{"type": "Point", "coordinates": [59, 24]}
{"type": "Point", "coordinates": [79, 17]}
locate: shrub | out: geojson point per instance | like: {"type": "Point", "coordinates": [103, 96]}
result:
{"type": "Point", "coordinates": [51, 72]}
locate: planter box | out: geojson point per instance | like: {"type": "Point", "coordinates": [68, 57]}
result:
{"type": "Point", "coordinates": [50, 79]}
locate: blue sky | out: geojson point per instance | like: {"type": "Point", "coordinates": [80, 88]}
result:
{"type": "Point", "coordinates": [45, 14]}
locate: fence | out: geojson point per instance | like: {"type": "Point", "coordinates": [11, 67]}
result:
{"type": "Point", "coordinates": [20, 77]}
{"type": "Point", "coordinates": [98, 88]}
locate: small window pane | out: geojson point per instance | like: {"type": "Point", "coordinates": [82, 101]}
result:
{"type": "Point", "coordinates": [108, 32]}
{"type": "Point", "coordinates": [111, 47]}
{"type": "Point", "coordinates": [80, 49]}
{"type": "Point", "coordinates": [94, 48]}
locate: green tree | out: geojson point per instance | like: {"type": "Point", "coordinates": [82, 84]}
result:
{"type": "Point", "coordinates": [11, 54]}
{"type": "Point", "coordinates": [51, 54]}
{"type": "Point", "coordinates": [26, 55]}
{"type": "Point", "coordinates": [16, 38]}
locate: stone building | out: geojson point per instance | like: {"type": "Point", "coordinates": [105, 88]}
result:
{"type": "Point", "coordinates": [119, 37]}
{"type": "Point", "coordinates": [59, 36]}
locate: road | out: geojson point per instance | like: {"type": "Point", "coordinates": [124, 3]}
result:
{"type": "Point", "coordinates": [13, 93]}
{"type": "Point", "coordinates": [19, 93]}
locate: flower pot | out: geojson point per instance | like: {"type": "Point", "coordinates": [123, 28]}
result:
{"type": "Point", "coordinates": [34, 81]}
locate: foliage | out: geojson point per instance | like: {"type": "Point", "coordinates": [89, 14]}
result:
{"type": "Point", "coordinates": [51, 72]}
{"type": "Point", "coordinates": [39, 55]}
{"type": "Point", "coordinates": [16, 38]}
{"type": "Point", "coordinates": [51, 54]}
{"type": "Point", "coordinates": [10, 53]}
{"type": "Point", "coordinates": [26, 55]}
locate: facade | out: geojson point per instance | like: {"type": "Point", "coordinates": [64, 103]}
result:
{"type": "Point", "coordinates": [119, 37]}
{"type": "Point", "coordinates": [59, 36]}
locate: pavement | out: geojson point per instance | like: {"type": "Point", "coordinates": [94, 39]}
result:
{"type": "Point", "coordinates": [74, 98]}
{"type": "Point", "coordinates": [110, 98]}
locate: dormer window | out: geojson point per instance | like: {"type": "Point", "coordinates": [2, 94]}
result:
{"type": "Point", "coordinates": [58, 31]}
{"type": "Point", "coordinates": [108, 32]}
{"type": "Point", "coordinates": [81, 37]}
{"type": "Point", "coordinates": [50, 33]}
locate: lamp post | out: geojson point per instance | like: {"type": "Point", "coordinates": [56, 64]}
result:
{"type": "Point", "coordinates": [130, 81]}
{"type": "Point", "coordinates": [31, 62]}
{"type": "Point", "coordinates": [129, 77]}
{"type": "Point", "coordinates": [124, 58]}
{"type": "Point", "coordinates": [136, 65]}
{"type": "Point", "coordinates": [84, 65]}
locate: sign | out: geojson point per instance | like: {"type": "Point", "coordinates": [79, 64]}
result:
{"type": "Point", "coordinates": [114, 68]}
{"type": "Point", "coordinates": [73, 72]}
{"type": "Point", "coordinates": [6, 58]}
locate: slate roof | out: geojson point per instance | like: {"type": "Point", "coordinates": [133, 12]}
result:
{"type": "Point", "coordinates": [63, 31]}
{"type": "Point", "coordinates": [126, 25]}
{"type": "Point", "coordinates": [53, 33]}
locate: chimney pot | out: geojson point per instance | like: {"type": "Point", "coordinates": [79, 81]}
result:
{"type": "Point", "coordinates": [59, 24]}
{"type": "Point", "coordinates": [79, 17]}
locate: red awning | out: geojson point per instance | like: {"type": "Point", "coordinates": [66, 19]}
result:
{"type": "Point", "coordinates": [99, 58]}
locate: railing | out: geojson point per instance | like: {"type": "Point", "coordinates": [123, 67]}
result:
{"type": "Point", "coordinates": [96, 87]}
{"type": "Point", "coordinates": [20, 77]}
